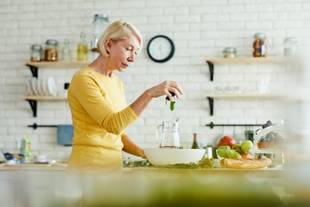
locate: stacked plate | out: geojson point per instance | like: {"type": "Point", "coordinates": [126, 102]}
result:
{"type": "Point", "coordinates": [41, 87]}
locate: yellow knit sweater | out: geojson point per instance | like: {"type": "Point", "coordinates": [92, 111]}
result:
{"type": "Point", "coordinates": [100, 114]}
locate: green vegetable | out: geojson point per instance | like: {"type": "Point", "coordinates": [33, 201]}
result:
{"type": "Point", "coordinates": [171, 99]}
{"type": "Point", "coordinates": [203, 163]}
{"type": "Point", "coordinates": [172, 103]}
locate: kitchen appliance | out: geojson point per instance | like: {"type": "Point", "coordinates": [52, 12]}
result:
{"type": "Point", "coordinates": [168, 134]}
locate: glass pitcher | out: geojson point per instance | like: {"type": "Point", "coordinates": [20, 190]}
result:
{"type": "Point", "coordinates": [168, 134]}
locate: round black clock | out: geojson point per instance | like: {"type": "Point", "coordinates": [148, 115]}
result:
{"type": "Point", "coordinates": [160, 48]}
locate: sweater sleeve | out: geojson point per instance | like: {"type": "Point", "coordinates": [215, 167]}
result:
{"type": "Point", "coordinates": [87, 91]}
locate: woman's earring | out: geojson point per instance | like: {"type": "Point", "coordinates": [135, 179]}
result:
{"type": "Point", "coordinates": [107, 53]}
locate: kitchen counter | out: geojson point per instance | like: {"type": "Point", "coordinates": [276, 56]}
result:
{"type": "Point", "coordinates": [63, 166]}
{"type": "Point", "coordinates": [51, 185]}
{"type": "Point", "coordinates": [56, 167]}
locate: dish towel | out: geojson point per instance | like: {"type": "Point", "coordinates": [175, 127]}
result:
{"type": "Point", "coordinates": [64, 134]}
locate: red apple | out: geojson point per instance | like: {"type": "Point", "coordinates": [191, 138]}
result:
{"type": "Point", "coordinates": [226, 141]}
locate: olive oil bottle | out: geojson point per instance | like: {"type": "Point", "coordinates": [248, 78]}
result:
{"type": "Point", "coordinates": [195, 144]}
{"type": "Point", "coordinates": [82, 48]}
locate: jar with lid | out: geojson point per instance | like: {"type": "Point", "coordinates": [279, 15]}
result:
{"type": "Point", "coordinates": [50, 52]}
{"type": "Point", "coordinates": [100, 22]}
{"type": "Point", "coordinates": [36, 53]}
{"type": "Point", "coordinates": [259, 45]}
{"type": "Point", "coordinates": [289, 45]}
{"type": "Point", "coordinates": [229, 52]}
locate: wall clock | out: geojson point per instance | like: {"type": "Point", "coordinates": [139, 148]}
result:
{"type": "Point", "coordinates": [160, 48]}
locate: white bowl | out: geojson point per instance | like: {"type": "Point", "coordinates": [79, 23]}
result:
{"type": "Point", "coordinates": [166, 156]}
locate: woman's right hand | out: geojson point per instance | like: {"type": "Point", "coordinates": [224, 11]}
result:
{"type": "Point", "coordinates": [165, 88]}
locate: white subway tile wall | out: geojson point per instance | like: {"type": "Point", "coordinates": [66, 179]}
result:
{"type": "Point", "coordinates": [199, 28]}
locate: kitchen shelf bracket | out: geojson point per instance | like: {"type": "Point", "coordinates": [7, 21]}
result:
{"type": "Point", "coordinates": [33, 104]}
{"type": "Point", "coordinates": [34, 70]}
{"type": "Point", "coordinates": [211, 69]}
{"type": "Point", "coordinates": [212, 125]}
{"type": "Point", "coordinates": [211, 105]}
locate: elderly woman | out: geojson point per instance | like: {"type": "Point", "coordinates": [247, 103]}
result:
{"type": "Point", "coordinates": [98, 105]}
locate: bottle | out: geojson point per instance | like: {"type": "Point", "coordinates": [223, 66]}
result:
{"type": "Point", "coordinates": [259, 46]}
{"type": "Point", "coordinates": [195, 143]}
{"type": "Point", "coordinates": [26, 149]}
{"type": "Point", "coordinates": [82, 48]}
{"type": "Point", "coordinates": [210, 151]}
{"type": "Point", "coordinates": [175, 133]}
{"type": "Point", "coordinates": [66, 51]}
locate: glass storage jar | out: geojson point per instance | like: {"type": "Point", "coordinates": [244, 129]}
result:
{"type": "Point", "coordinates": [259, 45]}
{"type": "Point", "coordinates": [290, 44]}
{"type": "Point", "coordinates": [50, 52]}
{"type": "Point", "coordinates": [100, 23]}
{"type": "Point", "coordinates": [230, 52]}
{"type": "Point", "coordinates": [36, 53]}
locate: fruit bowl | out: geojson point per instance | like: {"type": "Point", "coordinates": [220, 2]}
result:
{"type": "Point", "coordinates": [167, 156]}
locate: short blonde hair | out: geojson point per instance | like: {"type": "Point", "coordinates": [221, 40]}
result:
{"type": "Point", "coordinates": [116, 31]}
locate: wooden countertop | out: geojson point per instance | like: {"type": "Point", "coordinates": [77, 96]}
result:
{"type": "Point", "coordinates": [62, 167]}
{"type": "Point", "coordinates": [57, 167]}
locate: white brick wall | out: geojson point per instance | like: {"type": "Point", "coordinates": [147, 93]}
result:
{"type": "Point", "coordinates": [199, 28]}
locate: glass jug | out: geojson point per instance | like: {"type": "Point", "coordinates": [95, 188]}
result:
{"type": "Point", "coordinates": [168, 134]}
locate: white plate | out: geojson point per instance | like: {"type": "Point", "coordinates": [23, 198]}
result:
{"type": "Point", "coordinates": [51, 87]}
{"type": "Point", "coordinates": [45, 87]}
{"type": "Point", "coordinates": [34, 86]}
{"type": "Point", "coordinates": [42, 88]}
{"type": "Point", "coordinates": [39, 88]}
{"type": "Point", "coordinates": [166, 156]}
{"type": "Point", "coordinates": [28, 88]}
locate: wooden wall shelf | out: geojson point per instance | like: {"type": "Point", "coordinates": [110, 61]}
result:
{"type": "Point", "coordinates": [236, 95]}
{"type": "Point", "coordinates": [242, 61]}
{"type": "Point", "coordinates": [34, 66]}
{"type": "Point", "coordinates": [33, 101]}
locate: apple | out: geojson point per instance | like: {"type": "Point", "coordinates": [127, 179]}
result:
{"type": "Point", "coordinates": [222, 151]}
{"type": "Point", "coordinates": [246, 146]}
{"type": "Point", "coordinates": [226, 141]}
